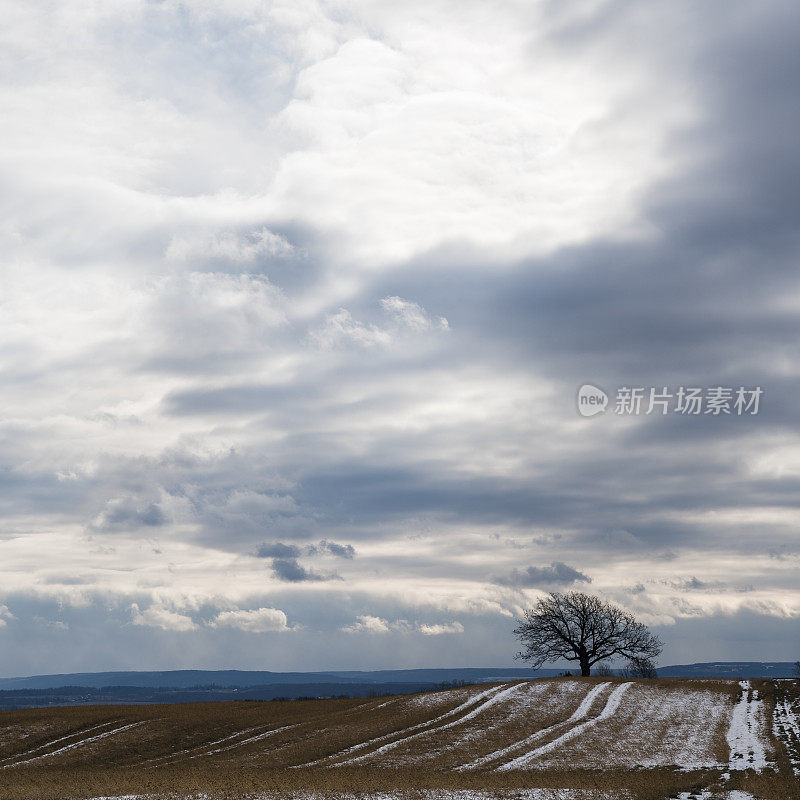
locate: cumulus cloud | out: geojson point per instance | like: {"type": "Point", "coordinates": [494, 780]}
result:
{"type": "Point", "coordinates": [258, 620]}
{"type": "Point", "coordinates": [155, 616]}
{"type": "Point", "coordinates": [557, 573]}
{"type": "Point", "coordinates": [367, 624]}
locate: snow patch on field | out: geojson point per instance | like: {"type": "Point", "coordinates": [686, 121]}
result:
{"type": "Point", "coordinates": [225, 743]}
{"type": "Point", "coordinates": [611, 706]}
{"type": "Point", "coordinates": [178, 753]}
{"type": "Point", "coordinates": [579, 714]}
{"type": "Point", "coordinates": [80, 743]}
{"type": "Point", "coordinates": [376, 740]}
{"type": "Point", "coordinates": [433, 699]}
{"type": "Point", "coordinates": [655, 726]}
{"type": "Point", "coordinates": [786, 728]}
{"type": "Point", "coordinates": [706, 794]}
{"type": "Point", "coordinates": [537, 701]}
{"type": "Point", "coordinates": [487, 703]}
{"type": "Point", "coordinates": [249, 740]}
{"type": "Point", "coordinates": [745, 738]}
{"type": "Point", "coordinates": [690, 720]}
{"type": "Point", "coordinates": [56, 741]}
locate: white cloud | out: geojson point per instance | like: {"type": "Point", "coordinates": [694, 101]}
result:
{"type": "Point", "coordinates": [405, 318]}
{"type": "Point", "coordinates": [5, 615]}
{"type": "Point", "coordinates": [411, 315]}
{"type": "Point", "coordinates": [155, 616]}
{"type": "Point", "coordinates": [204, 313]}
{"type": "Point", "coordinates": [373, 625]}
{"type": "Point", "coordinates": [368, 624]}
{"type": "Point", "coordinates": [341, 328]}
{"type": "Point", "coordinates": [259, 620]}
{"type": "Point", "coordinates": [438, 630]}
{"type": "Point", "coordinates": [431, 130]}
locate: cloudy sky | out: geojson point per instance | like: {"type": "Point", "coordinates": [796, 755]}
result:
{"type": "Point", "coordinates": [297, 296]}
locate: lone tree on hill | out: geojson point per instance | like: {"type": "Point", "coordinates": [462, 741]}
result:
{"type": "Point", "coordinates": [579, 627]}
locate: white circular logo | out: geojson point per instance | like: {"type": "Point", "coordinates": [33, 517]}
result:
{"type": "Point", "coordinates": [591, 400]}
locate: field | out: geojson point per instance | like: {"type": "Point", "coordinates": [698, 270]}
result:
{"type": "Point", "coordinates": [571, 739]}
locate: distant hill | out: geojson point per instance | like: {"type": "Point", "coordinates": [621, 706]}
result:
{"type": "Point", "coordinates": [730, 669]}
{"type": "Point", "coordinates": [187, 686]}
{"type": "Point", "coordinates": [186, 678]}
{"type": "Point", "coordinates": [147, 695]}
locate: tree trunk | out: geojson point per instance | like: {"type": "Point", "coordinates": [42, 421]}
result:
{"type": "Point", "coordinates": [585, 669]}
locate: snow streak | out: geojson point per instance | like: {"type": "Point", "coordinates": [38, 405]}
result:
{"type": "Point", "coordinates": [458, 710]}
{"type": "Point", "coordinates": [580, 713]}
{"type": "Point", "coordinates": [56, 741]}
{"type": "Point", "coordinates": [611, 706]}
{"type": "Point", "coordinates": [76, 744]}
{"type": "Point", "coordinates": [786, 727]}
{"type": "Point", "coordinates": [747, 746]}
{"type": "Point", "coordinates": [496, 698]}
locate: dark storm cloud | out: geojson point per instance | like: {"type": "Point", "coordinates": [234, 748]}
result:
{"type": "Point", "coordinates": [290, 569]}
{"type": "Point", "coordinates": [278, 550]}
{"type": "Point", "coordinates": [557, 573]}
{"type": "Point", "coordinates": [281, 550]}
{"type": "Point", "coordinates": [338, 550]}
{"type": "Point", "coordinates": [129, 513]}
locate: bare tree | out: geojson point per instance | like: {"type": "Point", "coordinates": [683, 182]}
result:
{"type": "Point", "coordinates": [583, 628]}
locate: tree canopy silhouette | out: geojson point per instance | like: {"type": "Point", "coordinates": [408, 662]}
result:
{"type": "Point", "coordinates": [583, 628]}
